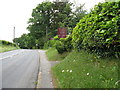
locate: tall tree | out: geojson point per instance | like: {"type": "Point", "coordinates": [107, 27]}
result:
{"type": "Point", "coordinates": [40, 23]}
{"type": "Point", "coordinates": [46, 18]}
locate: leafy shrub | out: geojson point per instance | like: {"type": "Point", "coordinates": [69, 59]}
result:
{"type": "Point", "coordinates": [60, 47]}
{"type": "Point", "coordinates": [56, 37]}
{"type": "Point", "coordinates": [64, 44]}
{"type": "Point", "coordinates": [99, 31]}
{"type": "Point", "coordinates": [50, 43]}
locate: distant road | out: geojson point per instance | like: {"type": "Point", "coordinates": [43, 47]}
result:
{"type": "Point", "coordinates": [19, 68]}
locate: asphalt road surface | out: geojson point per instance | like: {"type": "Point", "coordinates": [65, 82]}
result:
{"type": "Point", "coordinates": [19, 68]}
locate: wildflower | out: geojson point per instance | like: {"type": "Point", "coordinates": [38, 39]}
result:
{"type": "Point", "coordinates": [70, 70]}
{"type": "Point", "coordinates": [67, 70]}
{"type": "Point", "coordinates": [87, 73]}
{"type": "Point", "coordinates": [74, 61]}
{"type": "Point", "coordinates": [62, 70]}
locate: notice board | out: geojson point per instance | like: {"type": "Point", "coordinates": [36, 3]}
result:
{"type": "Point", "coordinates": [62, 32]}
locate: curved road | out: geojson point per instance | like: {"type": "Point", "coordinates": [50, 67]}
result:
{"type": "Point", "coordinates": [19, 68]}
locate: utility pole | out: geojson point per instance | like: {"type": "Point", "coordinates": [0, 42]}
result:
{"type": "Point", "coordinates": [14, 34]}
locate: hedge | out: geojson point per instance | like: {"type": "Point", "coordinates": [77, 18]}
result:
{"type": "Point", "coordinates": [3, 42]}
{"type": "Point", "coordinates": [99, 31]}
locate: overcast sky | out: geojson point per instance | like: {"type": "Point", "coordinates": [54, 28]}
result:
{"type": "Point", "coordinates": [17, 12]}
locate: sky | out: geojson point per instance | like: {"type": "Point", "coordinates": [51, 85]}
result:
{"type": "Point", "coordinates": [16, 13]}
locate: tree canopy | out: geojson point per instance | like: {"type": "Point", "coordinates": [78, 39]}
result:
{"type": "Point", "coordinates": [47, 17]}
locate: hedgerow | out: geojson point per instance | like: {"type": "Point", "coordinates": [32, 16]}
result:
{"type": "Point", "coordinates": [99, 31]}
{"type": "Point", "coordinates": [3, 42]}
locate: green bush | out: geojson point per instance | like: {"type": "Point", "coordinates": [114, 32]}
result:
{"type": "Point", "coordinates": [50, 43]}
{"type": "Point", "coordinates": [60, 47]}
{"type": "Point", "coordinates": [56, 37]}
{"type": "Point", "coordinates": [64, 44]}
{"type": "Point", "coordinates": [99, 31]}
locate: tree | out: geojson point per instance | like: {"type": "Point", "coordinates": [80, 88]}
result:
{"type": "Point", "coordinates": [40, 23]}
{"type": "Point", "coordinates": [78, 13]}
{"type": "Point", "coordinates": [46, 18]}
{"type": "Point", "coordinates": [26, 41]}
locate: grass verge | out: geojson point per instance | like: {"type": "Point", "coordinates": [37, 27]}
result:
{"type": "Point", "coordinates": [4, 48]}
{"type": "Point", "coordinates": [53, 55]}
{"type": "Point", "coordinates": [83, 70]}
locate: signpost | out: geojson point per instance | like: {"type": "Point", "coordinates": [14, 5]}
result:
{"type": "Point", "coordinates": [62, 32]}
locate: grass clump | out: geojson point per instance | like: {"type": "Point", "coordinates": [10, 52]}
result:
{"type": "Point", "coordinates": [53, 55]}
{"type": "Point", "coordinates": [84, 70]}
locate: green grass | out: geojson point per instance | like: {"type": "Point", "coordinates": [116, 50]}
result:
{"type": "Point", "coordinates": [83, 70]}
{"type": "Point", "coordinates": [4, 48]}
{"type": "Point", "coordinates": [53, 55]}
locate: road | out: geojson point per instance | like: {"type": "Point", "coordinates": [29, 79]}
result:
{"type": "Point", "coordinates": [19, 68]}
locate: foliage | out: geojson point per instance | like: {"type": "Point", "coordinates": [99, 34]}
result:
{"type": "Point", "coordinates": [40, 21]}
{"type": "Point", "coordinates": [53, 55]}
{"type": "Point", "coordinates": [99, 31]}
{"type": "Point", "coordinates": [62, 14]}
{"type": "Point", "coordinates": [50, 43]}
{"type": "Point", "coordinates": [64, 44]}
{"type": "Point", "coordinates": [61, 44]}
{"type": "Point", "coordinates": [7, 46]}
{"type": "Point", "coordinates": [60, 47]}
{"type": "Point", "coordinates": [78, 13]}
{"type": "Point", "coordinates": [3, 42]}
{"type": "Point", "coordinates": [26, 41]}
{"type": "Point", "coordinates": [47, 17]}
{"type": "Point", "coordinates": [84, 70]}
{"type": "Point", "coordinates": [56, 37]}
